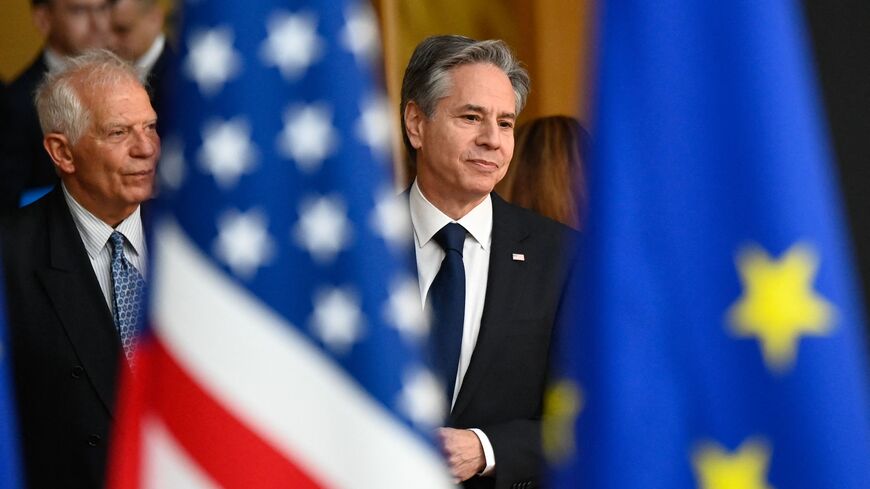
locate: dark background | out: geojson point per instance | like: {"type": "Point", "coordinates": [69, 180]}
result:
{"type": "Point", "coordinates": [841, 39]}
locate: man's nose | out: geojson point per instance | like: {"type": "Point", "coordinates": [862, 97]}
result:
{"type": "Point", "coordinates": [100, 20]}
{"type": "Point", "coordinates": [489, 135]}
{"type": "Point", "coordinates": [147, 143]}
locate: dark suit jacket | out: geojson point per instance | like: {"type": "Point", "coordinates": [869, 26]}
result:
{"type": "Point", "coordinates": [64, 346]}
{"type": "Point", "coordinates": [159, 81]}
{"type": "Point", "coordinates": [25, 163]}
{"type": "Point", "coordinates": [502, 391]}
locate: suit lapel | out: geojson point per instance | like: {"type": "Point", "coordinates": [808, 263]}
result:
{"type": "Point", "coordinates": [75, 294]}
{"type": "Point", "coordinates": [504, 277]}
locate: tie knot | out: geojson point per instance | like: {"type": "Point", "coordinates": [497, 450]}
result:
{"type": "Point", "coordinates": [117, 240]}
{"type": "Point", "coordinates": [451, 237]}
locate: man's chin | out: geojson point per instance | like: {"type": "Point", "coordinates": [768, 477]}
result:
{"type": "Point", "coordinates": [140, 195]}
{"type": "Point", "coordinates": [482, 187]}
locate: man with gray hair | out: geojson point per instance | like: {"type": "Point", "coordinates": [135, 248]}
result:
{"type": "Point", "coordinates": [492, 274]}
{"type": "Point", "coordinates": [74, 263]}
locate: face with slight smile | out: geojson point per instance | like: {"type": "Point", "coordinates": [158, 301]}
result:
{"type": "Point", "coordinates": [113, 163]}
{"type": "Point", "coordinates": [464, 149]}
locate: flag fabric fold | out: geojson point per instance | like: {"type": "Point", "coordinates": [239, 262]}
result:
{"type": "Point", "coordinates": [717, 336]}
{"type": "Point", "coordinates": [285, 337]}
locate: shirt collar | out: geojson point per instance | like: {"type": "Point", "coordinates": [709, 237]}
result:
{"type": "Point", "coordinates": [428, 219]}
{"type": "Point", "coordinates": [95, 232]}
{"type": "Point", "coordinates": [147, 60]}
{"type": "Point", "coordinates": [131, 228]}
{"type": "Point", "coordinates": [54, 60]}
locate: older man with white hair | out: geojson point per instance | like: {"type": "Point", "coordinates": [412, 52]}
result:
{"type": "Point", "coordinates": [74, 263]}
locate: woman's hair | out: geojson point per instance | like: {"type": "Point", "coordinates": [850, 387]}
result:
{"type": "Point", "coordinates": [546, 174]}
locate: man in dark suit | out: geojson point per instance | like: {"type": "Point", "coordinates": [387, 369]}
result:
{"type": "Point", "coordinates": [69, 27]}
{"type": "Point", "coordinates": [492, 273]}
{"type": "Point", "coordinates": [72, 262]}
{"type": "Point", "coordinates": [137, 36]}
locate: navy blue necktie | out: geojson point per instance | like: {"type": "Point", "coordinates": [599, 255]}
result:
{"type": "Point", "coordinates": [128, 289]}
{"type": "Point", "coordinates": [447, 299]}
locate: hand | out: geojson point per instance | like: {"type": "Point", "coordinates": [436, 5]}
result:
{"type": "Point", "coordinates": [463, 452]}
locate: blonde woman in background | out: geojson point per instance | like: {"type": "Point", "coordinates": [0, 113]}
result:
{"type": "Point", "coordinates": [546, 174]}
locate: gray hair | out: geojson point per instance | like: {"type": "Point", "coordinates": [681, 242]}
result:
{"type": "Point", "coordinates": [58, 98]}
{"type": "Point", "coordinates": [427, 77]}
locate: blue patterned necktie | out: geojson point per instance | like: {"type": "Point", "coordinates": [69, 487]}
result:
{"type": "Point", "coordinates": [128, 287]}
{"type": "Point", "coordinates": [447, 299]}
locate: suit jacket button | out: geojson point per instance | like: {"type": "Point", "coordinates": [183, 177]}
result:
{"type": "Point", "coordinates": [77, 371]}
{"type": "Point", "coordinates": [94, 440]}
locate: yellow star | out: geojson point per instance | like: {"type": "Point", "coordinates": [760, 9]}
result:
{"type": "Point", "coordinates": [779, 304]}
{"type": "Point", "coordinates": [715, 468]}
{"type": "Point", "coordinates": [562, 403]}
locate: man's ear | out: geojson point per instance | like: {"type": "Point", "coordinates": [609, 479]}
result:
{"type": "Point", "coordinates": [414, 118]}
{"type": "Point", "coordinates": [41, 19]}
{"type": "Point", "coordinates": [60, 151]}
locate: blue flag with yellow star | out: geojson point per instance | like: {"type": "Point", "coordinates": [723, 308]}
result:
{"type": "Point", "coordinates": [717, 341]}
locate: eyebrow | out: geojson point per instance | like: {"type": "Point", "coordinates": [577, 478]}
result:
{"type": "Point", "coordinates": [118, 123]}
{"type": "Point", "coordinates": [477, 108]}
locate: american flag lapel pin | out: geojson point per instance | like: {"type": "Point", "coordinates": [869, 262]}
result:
{"type": "Point", "coordinates": [518, 257]}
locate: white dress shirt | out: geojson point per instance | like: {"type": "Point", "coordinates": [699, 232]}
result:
{"type": "Point", "coordinates": [95, 236]}
{"type": "Point", "coordinates": [53, 60]}
{"type": "Point", "coordinates": [146, 62]}
{"type": "Point", "coordinates": [427, 220]}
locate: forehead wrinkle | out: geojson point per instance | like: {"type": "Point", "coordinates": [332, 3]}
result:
{"type": "Point", "coordinates": [117, 122]}
{"type": "Point", "coordinates": [123, 118]}
{"type": "Point", "coordinates": [127, 120]}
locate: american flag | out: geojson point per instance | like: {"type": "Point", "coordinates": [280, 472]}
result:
{"type": "Point", "coordinates": [285, 328]}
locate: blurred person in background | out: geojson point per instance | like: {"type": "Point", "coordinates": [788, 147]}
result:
{"type": "Point", "coordinates": [69, 27]}
{"type": "Point", "coordinates": [547, 172]}
{"type": "Point", "coordinates": [137, 36]}
{"type": "Point", "coordinates": [7, 199]}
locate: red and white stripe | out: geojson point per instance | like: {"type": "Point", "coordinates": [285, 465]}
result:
{"type": "Point", "coordinates": [238, 398]}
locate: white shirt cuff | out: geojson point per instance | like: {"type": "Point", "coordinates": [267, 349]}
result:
{"type": "Point", "coordinates": [488, 454]}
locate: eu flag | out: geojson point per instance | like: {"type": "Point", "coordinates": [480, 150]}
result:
{"type": "Point", "coordinates": [9, 463]}
{"type": "Point", "coordinates": [718, 337]}
{"type": "Point", "coordinates": [286, 330]}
